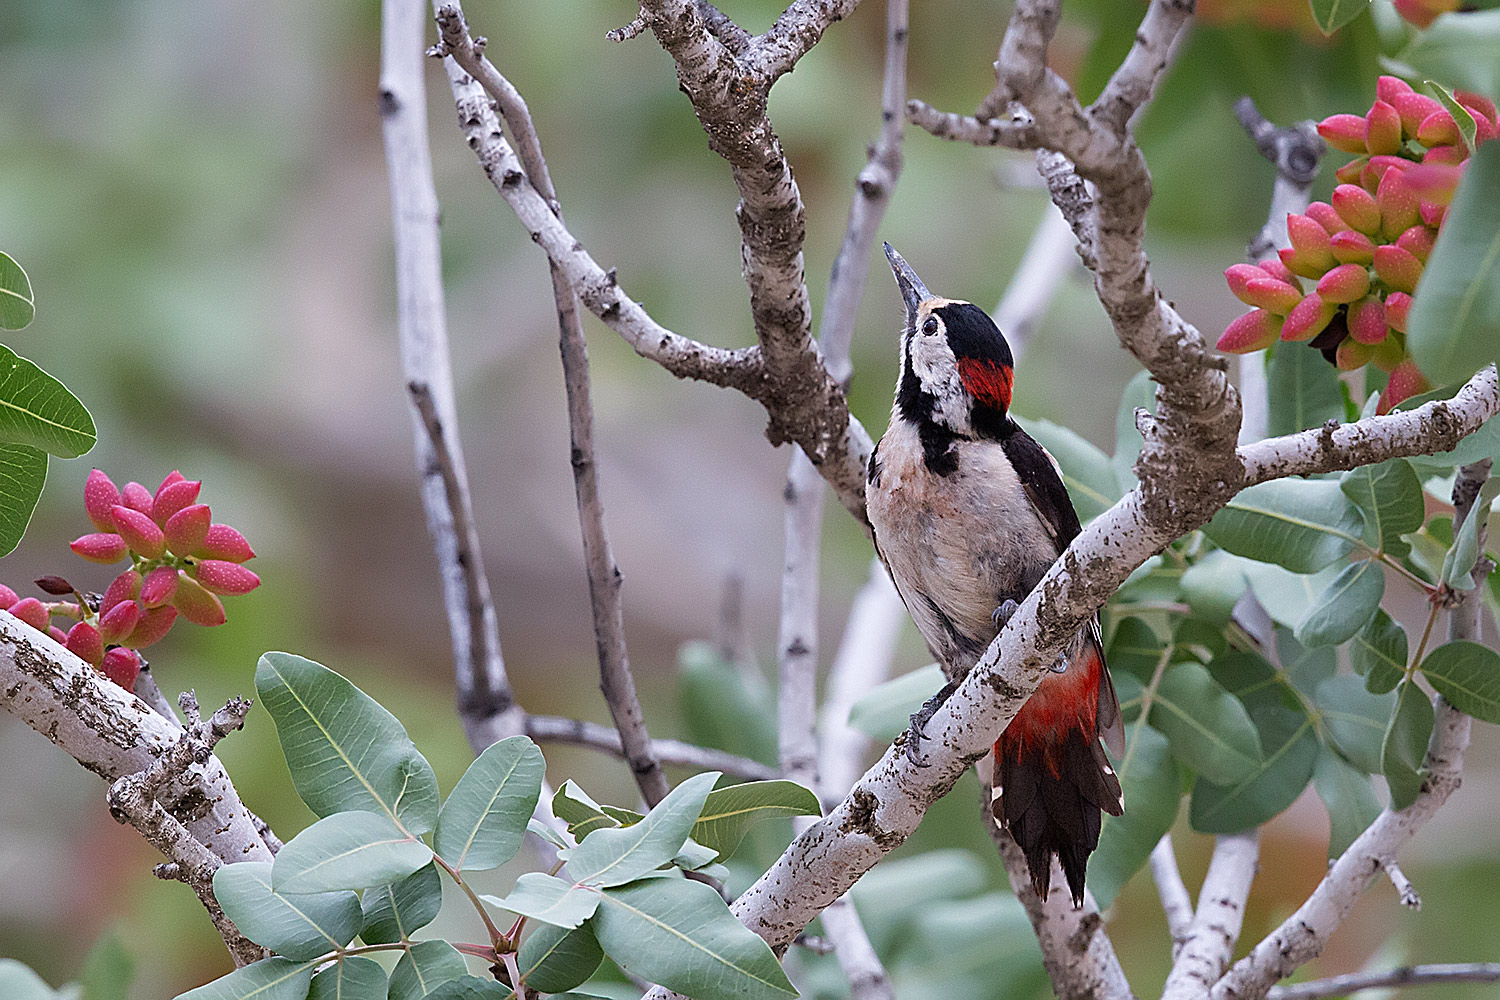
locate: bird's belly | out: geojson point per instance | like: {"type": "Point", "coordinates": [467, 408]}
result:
{"type": "Point", "coordinates": [957, 546]}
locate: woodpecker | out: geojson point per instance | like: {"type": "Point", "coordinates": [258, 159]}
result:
{"type": "Point", "coordinates": [969, 511]}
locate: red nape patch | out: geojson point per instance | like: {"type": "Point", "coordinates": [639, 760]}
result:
{"type": "Point", "coordinates": [987, 381]}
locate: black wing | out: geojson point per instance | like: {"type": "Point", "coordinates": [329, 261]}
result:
{"type": "Point", "coordinates": [1044, 487]}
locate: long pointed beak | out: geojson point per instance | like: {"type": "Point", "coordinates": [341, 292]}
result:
{"type": "Point", "coordinates": [913, 292]}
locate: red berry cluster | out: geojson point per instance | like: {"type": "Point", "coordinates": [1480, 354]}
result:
{"type": "Point", "coordinates": [1366, 250]}
{"type": "Point", "coordinates": [180, 564]}
{"type": "Point", "coordinates": [1424, 12]}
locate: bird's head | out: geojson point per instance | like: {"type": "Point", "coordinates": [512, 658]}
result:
{"type": "Point", "coordinates": [956, 368]}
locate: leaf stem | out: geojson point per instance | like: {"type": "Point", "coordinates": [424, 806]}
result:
{"type": "Point", "coordinates": [1413, 578]}
{"type": "Point", "coordinates": [501, 942]}
{"type": "Point", "coordinates": [1148, 695]}
{"type": "Point", "coordinates": [1422, 646]}
{"type": "Point", "coordinates": [483, 951]}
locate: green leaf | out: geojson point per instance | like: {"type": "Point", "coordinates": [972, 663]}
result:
{"type": "Point", "coordinates": [681, 934]}
{"type": "Point", "coordinates": [344, 750]}
{"type": "Point", "coordinates": [1379, 653]}
{"type": "Point", "coordinates": [1389, 497]}
{"type": "Point", "coordinates": [722, 708]}
{"type": "Point", "coordinates": [1462, 51]}
{"type": "Point", "coordinates": [299, 927]}
{"type": "Point", "coordinates": [396, 910]}
{"type": "Point", "coordinates": [885, 710]}
{"type": "Point", "coordinates": [548, 899]}
{"type": "Point", "coordinates": [348, 850]}
{"type": "Point", "coordinates": [470, 988]}
{"type": "Point", "coordinates": [1207, 727]}
{"type": "Point", "coordinates": [554, 959]}
{"type": "Point", "coordinates": [23, 473]}
{"type": "Point", "coordinates": [1468, 129]}
{"type": "Point", "coordinates": [1404, 749]}
{"type": "Point", "coordinates": [483, 822]}
{"type": "Point", "coordinates": [1285, 595]}
{"type": "Point", "coordinates": [1289, 750]}
{"type": "Point", "coordinates": [1086, 471]}
{"type": "Point", "coordinates": [350, 978]}
{"type": "Point", "coordinates": [1134, 649]}
{"type": "Point", "coordinates": [1305, 667]}
{"type": "Point", "coordinates": [18, 982]}
{"type": "Point", "coordinates": [1355, 719]}
{"type": "Point", "coordinates": [729, 812]}
{"type": "Point", "coordinates": [542, 831]}
{"type": "Point", "coordinates": [1350, 799]}
{"type": "Point", "coordinates": [1467, 674]}
{"type": "Point", "coordinates": [974, 949]}
{"type": "Point", "coordinates": [1139, 392]}
{"type": "Point", "coordinates": [424, 967]}
{"type": "Point", "coordinates": [1345, 606]}
{"type": "Point", "coordinates": [1305, 389]}
{"type": "Point", "coordinates": [1299, 524]}
{"type": "Point", "coordinates": [1454, 325]}
{"type": "Point", "coordinates": [583, 815]}
{"type": "Point", "coordinates": [268, 979]}
{"type": "Point", "coordinates": [1458, 564]}
{"type": "Point", "coordinates": [17, 302]}
{"type": "Point", "coordinates": [896, 894]}
{"type": "Point", "coordinates": [38, 410]}
{"type": "Point", "coordinates": [1149, 779]}
{"type": "Point", "coordinates": [616, 856]}
{"type": "Point", "coordinates": [1331, 15]}
{"type": "Point", "coordinates": [1213, 585]}
{"type": "Point", "coordinates": [107, 972]}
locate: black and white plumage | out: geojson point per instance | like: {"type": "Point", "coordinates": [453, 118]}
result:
{"type": "Point", "coordinates": [968, 514]}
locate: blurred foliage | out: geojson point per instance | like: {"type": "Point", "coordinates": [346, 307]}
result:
{"type": "Point", "coordinates": [199, 192]}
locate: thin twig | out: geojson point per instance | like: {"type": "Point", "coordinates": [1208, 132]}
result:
{"type": "Point", "coordinates": [1402, 884]}
{"type": "Point", "coordinates": [1407, 975]}
{"type": "Point", "coordinates": [554, 729]}
{"type": "Point", "coordinates": [485, 703]}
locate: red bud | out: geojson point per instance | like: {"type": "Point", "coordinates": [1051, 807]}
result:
{"type": "Point", "coordinates": [54, 585]}
{"type": "Point", "coordinates": [99, 495]}
{"type": "Point", "coordinates": [1254, 331]}
{"type": "Point", "coordinates": [174, 497]}
{"type": "Point", "coordinates": [1414, 109]}
{"type": "Point", "coordinates": [1387, 87]}
{"type": "Point", "coordinates": [1481, 107]}
{"type": "Point", "coordinates": [1351, 354]}
{"type": "Point", "coordinates": [1398, 204]}
{"type": "Point", "coordinates": [1345, 283]}
{"type": "Point", "coordinates": [1324, 215]}
{"type": "Point", "coordinates": [8, 597]}
{"type": "Point", "coordinates": [1346, 133]}
{"type": "Point", "coordinates": [1276, 269]}
{"type": "Point", "coordinates": [1449, 156]}
{"type": "Point", "coordinates": [1432, 213]}
{"type": "Point", "coordinates": [125, 587]}
{"type": "Point", "coordinates": [1275, 297]}
{"type": "Point", "coordinates": [187, 529]}
{"type": "Point", "coordinates": [122, 666]}
{"type": "Point", "coordinates": [83, 639]}
{"type": "Point", "coordinates": [172, 477]}
{"type": "Point", "coordinates": [1388, 354]}
{"type": "Point", "coordinates": [140, 532]}
{"type": "Point", "coordinates": [137, 497]}
{"type": "Point", "coordinates": [1310, 242]}
{"type": "Point", "coordinates": [1375, 170]}
{"type": "Point", "coordinates": [1397, 304]}
{"type": "Point", "coordinates": [222, 577]}
{"type": "Point", "coordinates": [1438, 129]}
{"type": "Point", "coordinates": [1308, 318]}
{"type": "Point", "coordinates": [196, 604]}
{"type": "Point", "coordinates": [1434, 182]}
{"type": "Point", "coordinates": [223, 542]}
{"type": "Point", "coordinates": [1417, 241]}
{"type": "Point", "coordinates": [1416, 11]}
{"type": "Point", "coordinates": [1383, 129]}
{"type": "Point", "coordinates": [1367, 321]}
{"type": "Point", "coordinates": [159, 586]}
{"type": "Point", "coordinates": [1239, 277]}
{"type": "Point", "coordinates": [1398, 269]}
{"type": "Point", "coordinates": [57, 635]}
{"type": "Point", "coordinates": [1351, 172]}
{"type": "Point", "coordinates": [31, 611]}
{"type": "Point", "coordinates": [1405, 382]}
{"type": "Point", "coordinates": [1350, 247]}
{"type": "Point", "coordinates": [101, 547]}
{"type": "Point", "coordinates": [152, 627]}
{"type": "Point", "coordinates": [1357, 207]}
{"type": "Point", "coordinates": [119, 621]}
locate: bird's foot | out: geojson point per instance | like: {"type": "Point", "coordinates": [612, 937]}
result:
{"type": "Point", "coordinates": [1003, 614]}
{"type": "Point", "coordinates": [919, 719]}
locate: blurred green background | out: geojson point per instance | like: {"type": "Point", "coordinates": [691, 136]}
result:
{"type": "Point", "coordinates": [199, 194]}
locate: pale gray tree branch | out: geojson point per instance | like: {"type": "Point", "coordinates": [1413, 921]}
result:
{"type": "Point", "coordinates": [485, 704]}
{"type": "Point", "coordinates": [1175, 901]}
{"type": "Point", "coordinates": [1221, 913]}
{"type": "Point", "coordinates": [793, 35]}
{"type": "Point", "coordinates": [1406, 975]}
{"type": "Point", "coordinates": [132, 799]}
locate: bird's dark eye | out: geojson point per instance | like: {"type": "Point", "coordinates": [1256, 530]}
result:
{"type": "Point", "coordinates": [931, 326]}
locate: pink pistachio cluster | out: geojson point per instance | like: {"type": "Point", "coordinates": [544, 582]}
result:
{"type": "Point", "coordinates": [1364, 253]}
{"type": "Point", "coordinates": [180, 563]}
{"type": "Point", "coordinates": [1424, 12]}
